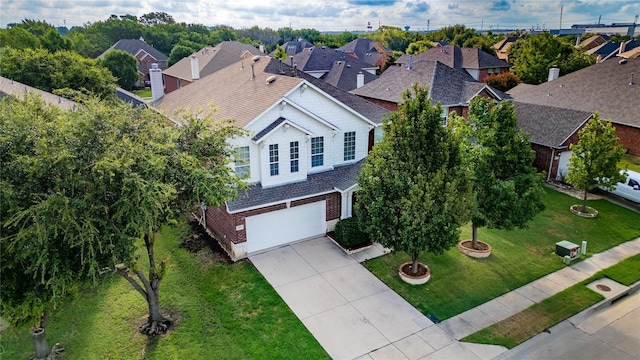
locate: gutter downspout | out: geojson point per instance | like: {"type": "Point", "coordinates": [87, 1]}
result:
{"type": "Point", "coordinates": [553, 154]}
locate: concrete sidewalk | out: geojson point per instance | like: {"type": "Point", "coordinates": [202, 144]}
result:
{"type": "Point", "coordinates": [519, 299]}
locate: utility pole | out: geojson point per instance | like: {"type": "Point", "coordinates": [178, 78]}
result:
{"type": "Point", "coordinates": [561, 7]}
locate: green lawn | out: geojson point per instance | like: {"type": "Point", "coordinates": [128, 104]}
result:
{"type": "Point", "coordinates": [522, 326]}
{"type": "Point", "coordinates": [630, 162]}
{"type": "Point", "coordinates": [459, 283]}
{"type": "Point", "coordinates": [145, 94]}
{"type": "Point", "coordinates": [224, 311]}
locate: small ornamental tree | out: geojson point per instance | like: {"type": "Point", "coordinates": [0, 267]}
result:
{"type": "Point", "coordinates": [595, 158]}
{"type": "Point", "coordinates": [414, 194]}
{"type": "Point", "coordinates": [507, 188]}
{"type": "Point", "coordinates": [503, 82]}
{"type": "Point", "coordinates": [123, 66]}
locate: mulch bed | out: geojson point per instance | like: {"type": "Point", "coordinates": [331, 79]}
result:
{"type": "Point", "coordinates": [481, 246]}
{"type": "Point", "coordinates": [422, 270]}
{"type": "Point", "coordinates": [198, 241]}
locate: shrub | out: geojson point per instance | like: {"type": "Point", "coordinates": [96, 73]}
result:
{"type": "Point", "coordinates": [348, 234]}
{"type": "Point", "coordinates": [503, 82]}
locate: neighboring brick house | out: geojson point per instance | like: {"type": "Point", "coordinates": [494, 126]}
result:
{"type": "Point", "coordinates": [144, 53]}
{"type": "Point", "coordinates": [611, 87]}
{"type": "Point", "coordinates": [367, 50]}
{"type": "Point", "coordinates": [453, 88]}
{"type": "Point", "coordinates": [208, 61]}
{"type": "Point", "coordinates": [334, 66]}
{"type": "Point", "coordinates": [502, 47]}
{"type": "Point", "coordinates": [476, 62]}
{"type": "Point", "coordinates": [551, 131]}
{"type": "Point", "coordinates": [302, 153]}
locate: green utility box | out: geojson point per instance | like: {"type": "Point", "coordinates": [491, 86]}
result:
{"type": "Point", "coordinates": [564, 248]}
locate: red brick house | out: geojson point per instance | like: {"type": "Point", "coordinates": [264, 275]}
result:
{"type": "Point", "coordinates": [144, 53]}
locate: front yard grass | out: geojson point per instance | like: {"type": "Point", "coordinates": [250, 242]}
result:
{"type": "Point", "coordinates": [522, 326]}
{"type": "Point", "coordinates": [459, 283]}
{"type": "Point", "coordinates": [630, 162]}
{"type": "Point", "coordinates": [223, 311]}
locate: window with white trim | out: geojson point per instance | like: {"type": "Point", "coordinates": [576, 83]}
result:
{"type": "Point", "coordinates": [294, 156]}
{"type": "Point", "coordinates": [242, 161]}
{"type": "Point", "coordinates": [349, 145]}
{"type": "Point", "coordinates": [317, 151]}
{"type": "Point", "coordinates": [273, 160]}
{"type": "Point", "coordinates": [445, 116]}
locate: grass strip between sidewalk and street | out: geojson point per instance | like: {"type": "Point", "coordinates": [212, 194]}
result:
{"type": "Point", "coordinates": [522, 326]}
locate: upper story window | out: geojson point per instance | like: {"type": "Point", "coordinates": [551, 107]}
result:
{"type": "Point", "coordinates": [317, 151]}
{"type": "Point", "coordinates": [273, 160]}
{"type": "Point", "coordinates": [294, 156]}
{"type": "Point", "coordinates": [243, 164]}
{"type": "Point", "coordinates": [349, 145]}
{"type": "Point", "coordinates": [445, 116]}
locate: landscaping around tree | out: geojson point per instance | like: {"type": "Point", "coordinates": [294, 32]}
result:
{"type": "Point", "coordinates": [414, 193]}
{"type": "Point", "coordinates": [519, 256]}
{"type": "Point", "coordinates": [79, 188]}
{"type": "Point", "coordinates": [506, 186]}
{"type": "Point", "coordinates": [595, 158]}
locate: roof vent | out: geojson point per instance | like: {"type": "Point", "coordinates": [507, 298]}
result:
{"type": "Point", "coordinates": [631, 82]}
{"type": "Point", "coordinates": [255, 58]}
{"type": "Point", "coordinates": [271, 79]}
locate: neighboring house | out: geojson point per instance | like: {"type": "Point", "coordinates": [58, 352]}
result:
{"type": "Point", "coordinates": [612, 49]}
{"type": "Point", "coordinates": [144, 53]}
{"type": "Point", "coordinates": [593, 42]}
{"type": "Point", "coordinates": [333, 66]}
{"type": "Point", "coordinates": [502, 47]}
{"type": "Point", "coordinates": [367, 50]}
{"type": "Point", "coordinates": [9, 87]}
{"type": "Point", "coordinates": [551, 131]}
{"type": "Point", "coordinates": [476, 62]}
{"type": "Point", "coordinates": [130, 98]}
{"type": "Point", "coordinates": [611, 87]}
{"type": "Point", "coordinates": [302, 152]}
{"type": "Point", "coordinates": [453, 88]}
{"type": "Point", "coordinates": [294, 46]}
{"type": "Point", "coordinates": [207, 61]}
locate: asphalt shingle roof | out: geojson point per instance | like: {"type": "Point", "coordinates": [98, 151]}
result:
{"type": "Point", "coordinates": [16, 89]}
{"type": "Point", "coordinates": [604, 87]}
{"type": "Point", "coordinates": [212, 59]}
{"type": "Point", "coordinates": [345, 76]}
{"type": "Point", "coordinates": [133, 46]}
{"type": "Point", "coordinates": [447, 85]}
{"type": "Point", "coordinates": [367, 109]}
{"type": "Point", "coordinates": [268, 129]}
{"type": "Point", "coordinates": [549, 126]}
{"type": "Point", "coordinates": [364, 49]}
{"type": "Point", "coordinates": [338, 179]}
{"type": "Point", "coordinates": [458, 58]}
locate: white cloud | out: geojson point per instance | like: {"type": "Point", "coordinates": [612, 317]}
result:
{"type": "Point", "coordinates": [331, 14]}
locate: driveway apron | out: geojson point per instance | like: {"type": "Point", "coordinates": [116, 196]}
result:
{"type": "Point", "coordinates": [347, 309]}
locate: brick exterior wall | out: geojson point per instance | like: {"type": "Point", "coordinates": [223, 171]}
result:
{"type": "Point", "coordinates": [223, 225]}
{"type": "Point", "coordinates": [391, 106]}
{"type": "Point", "coordinates": [629, 138]}
{"type": "Point", "coordinates": [543, 157]}
{"type": "Point", "coordinates": [172, 83]}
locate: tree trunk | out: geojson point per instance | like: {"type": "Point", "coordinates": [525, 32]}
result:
{"type": "Point", "coordinates": [40, 341]}
{"type": "Point", "coordinates": [474, 235]}
{"type": "Point", "coordinates": [584, 202]}
{"type": "Point", "coordinates": [156, 323]}
{"type": "Point", "coordinates": [414, 261]}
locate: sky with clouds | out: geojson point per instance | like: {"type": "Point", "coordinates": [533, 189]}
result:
{"type": "Point", "coordinates": [333, 15]}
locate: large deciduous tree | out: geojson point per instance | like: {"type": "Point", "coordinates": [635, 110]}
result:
{"type": "Point", "coordinates": [533, 55]}
{"type": "Point", "coordinates": [595, 158]}
{"type": "Point", "coordinates": [123, 66]}
{"type": "Point", "coordinates": [80, 190]}
{"type": "Point", "coordinates": [507, 188]}
{"type": "Point", "coordinates": [414, 193]}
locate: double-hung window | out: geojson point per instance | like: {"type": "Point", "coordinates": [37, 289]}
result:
{"type": "Point", "coordinates": [242, 164]}
{"type": "Point", "coordinates": [294, 156]}
{"type": "Point", "coordinates": [273, 160]}
{"type": "Point", "coordinates": [317, 151]}
{"type": "Point", "coordinates": [349, 145]}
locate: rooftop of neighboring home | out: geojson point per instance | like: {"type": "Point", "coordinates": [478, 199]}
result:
{"type": "Point", "coordinates": [9, 87]}
{"type": "Point", "coordinates": [449, 86]}
{"type": "Point", "coordinates": [366, 50]}
{"type": "Point", "coordinates": [611, 49]}
{"type": "Point", "coordinates": [134, 46]}
{"type": "Point", "coordinates": [238, 92]}
{"type": "Point", "coordinates": [321, 59]}
{"type": "Point", "coordinates": [369, 110]}
{"type": "Point", "coordinates": [547, 125]}
{"type": "Point", "coordinates": [345, 76]}
{"type": "Point", "coordinates": [457, 58]}
{"type": "Point", "coordinates": [611, 87]}
{"type": "Point", "coordinates": [212, 59]}
{"type": "Point", "coordinates": [130, 97]}
{"type": "Point", "coordinates": [295, 46]}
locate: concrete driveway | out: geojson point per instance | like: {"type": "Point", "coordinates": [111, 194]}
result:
{"type": "Point", "coordinates": [347, 309]}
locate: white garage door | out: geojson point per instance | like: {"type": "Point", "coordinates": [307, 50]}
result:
{"type": "Point", "coordinates": [563, 164]}
{"type": "Point", "coordinates": [284, 226]}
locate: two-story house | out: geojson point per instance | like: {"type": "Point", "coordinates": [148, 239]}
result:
{"type": "Point", "coordinates": [302, 154]}
{"type": "Point", "coordinates": [145, 55]}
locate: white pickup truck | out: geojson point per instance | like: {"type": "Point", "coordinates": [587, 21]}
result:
{"type": "Point", "coordinates": [630, 188]}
